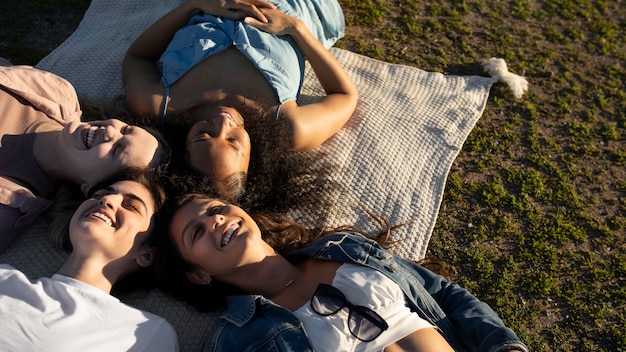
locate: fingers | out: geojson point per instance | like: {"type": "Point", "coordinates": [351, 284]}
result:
{"type": "Point", "coordinates": [254, 22]}
{"type": "Point", "coordinates": [277, 22]}
{"type": "Point", "coordinates": [262, 4]}
{"type": "Point", "coordinates": [251, 8]}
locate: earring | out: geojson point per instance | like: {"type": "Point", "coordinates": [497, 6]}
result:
{"type": "Point", "coordinates": [206, 283]}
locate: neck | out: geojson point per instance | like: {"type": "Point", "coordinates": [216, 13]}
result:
{"type": "Point", "coordinates": [268, 277]}
{"type": "Point", "coordinates": [311, 272]}
{"type": "Point", "coordinates": [294, 276]}
{"type": "Point", "coordinates": [50, 159]}
{"type": "Point", "coordinates": [89, 271]}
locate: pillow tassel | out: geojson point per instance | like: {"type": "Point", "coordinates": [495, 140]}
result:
{"type": "Point", "coordinates": [497, 69]}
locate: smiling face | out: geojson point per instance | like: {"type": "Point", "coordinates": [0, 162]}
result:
{"type": "Point", "coordinates": [219, 145]}
{"type": "Point", "coordinates": [217, 239]}
{"type": "Point", "coordinates": [98, 149]}
{"type": "Point", "coordinates": [114, 222]}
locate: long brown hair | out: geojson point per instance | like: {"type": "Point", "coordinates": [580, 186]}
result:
{"type": "Point", "coordinates": [65, 205]}
{"type": "Point", "coordinates": [69, 197]}
{"type": "Point", "coordinates": [282, 234]}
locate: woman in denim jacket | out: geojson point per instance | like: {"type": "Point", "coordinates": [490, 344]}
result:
{"type": "Point", "coordinates": [286, 288]}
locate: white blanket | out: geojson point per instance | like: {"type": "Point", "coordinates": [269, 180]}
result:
{"type": "Point", "coordinates": [393, 156]}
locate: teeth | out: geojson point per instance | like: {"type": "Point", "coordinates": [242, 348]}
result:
{"type": "Point", "coordinates": [229, 234]}
{"type": "Point", "coordinates": [89, 136]}
{"type": "Point", "coordinates": [230, 117]}
{"type": "Point", "coordinates": [103, 217]}
{"type": "Point", "coordinates": [227, 115]}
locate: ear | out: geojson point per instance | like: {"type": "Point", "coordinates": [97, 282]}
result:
{"type": "Point", "coordinates": [85, 188]}
{"type": "Point", "coordinates": [199, 278]}
{"type": "Point", "coordinates": [146, 257]}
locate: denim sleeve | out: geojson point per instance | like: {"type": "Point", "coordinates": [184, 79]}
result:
{"type": "Point", "coordinates": [267, 328]}
{"type": "Point", "coordinates": [478, 326]}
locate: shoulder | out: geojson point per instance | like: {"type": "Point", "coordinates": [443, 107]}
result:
{"type": "Point", "coordinates": [31, 79]}
{"type": "Point", "coordinates": [287, 110]}
{"type": "Point", "coordinates": [7, 270]}
{"type": "Point", "coordinates": [345, 238]}
{"type": "Point", "coordinates": [147, 98]}
{"type": "Point", "coordinates": [341, 246]}
{"type": "Point", "coordinates": [52, 94]}
{"type": "Point", "coordinates": [267, 327]}
{"type": "Point", "coordinates": [159, 334]}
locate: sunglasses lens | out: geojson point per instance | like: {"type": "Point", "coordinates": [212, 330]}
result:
{"type": "Point", "coordinates": [327, 300]}
{"type": "Point", "coordinates": [366, 324]}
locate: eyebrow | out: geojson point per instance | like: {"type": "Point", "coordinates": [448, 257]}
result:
{"type": "Point", "coordinates": [129, 195]}
{"type": "Point", "coordinates": [122, 155]}
{"type": "Point", "coordinates": [191, 224]}
{"type": "Point", "coordinates": [135, 197]}
{"type": "Point", "coordinates": [185, 236]}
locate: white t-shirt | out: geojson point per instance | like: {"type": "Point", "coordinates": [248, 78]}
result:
{"type": "Point", "coordinates": [365, 287]}
{"type": "Point", "coordinates": [64, 314]}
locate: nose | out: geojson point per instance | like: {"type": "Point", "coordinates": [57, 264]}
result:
{"type": "Point", "coordinates": [219, 125]}
{"type": "Point", "coordinates": [110, 200]}
{"type": "Point", "coordinates": [110, 133]}
{"type": "Point", "coordinates": [216, 221]}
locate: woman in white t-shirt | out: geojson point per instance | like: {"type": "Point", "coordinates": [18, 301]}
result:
{"type": "Point", "coordinates": [111, 237]}
{"type": "Point", "coordinates": [285, 287]}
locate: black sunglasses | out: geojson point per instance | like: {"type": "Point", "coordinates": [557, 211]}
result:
{"type": "Point", "coordinates": [364, 323]}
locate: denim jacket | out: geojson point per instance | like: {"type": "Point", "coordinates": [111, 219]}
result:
{"type": "Point", "coordinates": [253, 323]}
{"type": "Point", "coordinates": [278, 58]}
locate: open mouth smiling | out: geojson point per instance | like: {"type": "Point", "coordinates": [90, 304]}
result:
{"type": "Point", "coordinates": [228, 234]}
{"type": "Point", "coordinates": [233, 119]}
{"type": "Point", "coordinates": [107, 220]}
{"type": "Point", "coordinates": [89, 136]}
{"type": "Point", "coordinates": [230, 117]}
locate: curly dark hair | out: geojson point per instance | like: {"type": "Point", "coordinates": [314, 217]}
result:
{"type": "Point", "coordinates": [277, 178]}
{"type": "Point", "coordinates": [233, 187]}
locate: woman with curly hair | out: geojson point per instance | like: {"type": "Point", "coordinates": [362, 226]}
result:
{"type": "Point", "coordinates": [230, 72]}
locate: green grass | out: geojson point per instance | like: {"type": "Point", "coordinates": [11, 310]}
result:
{"type": "Point", "coordinates": [30, 29]}
{"type": "Point", "coordinates": [534, 213]}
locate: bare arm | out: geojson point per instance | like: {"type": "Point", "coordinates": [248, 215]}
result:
{"type": "Point", "coordinates": [314, 123]}
{"type": "Point", "coordinates": [140, 74]}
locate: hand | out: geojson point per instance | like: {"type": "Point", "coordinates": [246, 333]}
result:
{"type": "Point", "coordinates": [278, 22]}
{"type": "Point", "coordinates": [235, 9]}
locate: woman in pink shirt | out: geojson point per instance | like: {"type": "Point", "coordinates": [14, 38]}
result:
{"type": "Point", "coordinates": [43, 143]}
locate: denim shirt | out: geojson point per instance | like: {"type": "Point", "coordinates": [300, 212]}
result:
{"type": "Point", "coordinates": [278, 58]}
{"type": "Point", "coordinates": [253, 323]}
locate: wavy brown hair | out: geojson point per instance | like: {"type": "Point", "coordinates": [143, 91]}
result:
{"type": "Point", "coordinates": [65, 204]}
{"type": "Point", "coordinates": [69, 198]}
{"type": "Point", "coordinates": [284, 235]}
